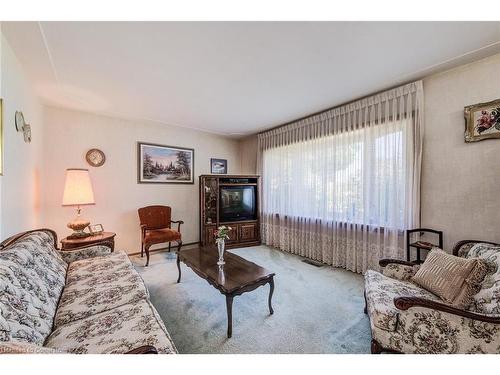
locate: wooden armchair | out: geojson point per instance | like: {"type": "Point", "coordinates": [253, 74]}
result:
{"type": "Point", "coordinates": [406, 318]}
{"type": "Point", "coordinates": [156, 228]}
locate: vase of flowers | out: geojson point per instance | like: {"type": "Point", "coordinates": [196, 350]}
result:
{"type": "Point", "coordinates": [221, 234]}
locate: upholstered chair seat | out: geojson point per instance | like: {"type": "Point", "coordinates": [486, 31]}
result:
{"type": "Point", "coordinates": [161, 235]}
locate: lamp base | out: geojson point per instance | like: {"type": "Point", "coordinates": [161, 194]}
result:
{"type": "Point", "coordinates": [78, 225]}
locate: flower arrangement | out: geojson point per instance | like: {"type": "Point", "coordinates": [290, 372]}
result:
{"type": "Point", "coordinates": [221, 233]}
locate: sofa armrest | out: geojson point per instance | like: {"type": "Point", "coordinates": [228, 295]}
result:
{"type": "Point", "coordinates": [404, 303]}
{"type": "Point", "coordinates": [385, 262]}
{"type": "Point", "coordinates": [146, 349]}
{"type": "Point", "coordinates": [84, 252]}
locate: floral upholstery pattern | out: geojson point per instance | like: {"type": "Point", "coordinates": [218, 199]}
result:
{"type": "Point", "coordinates": [96, 299]}
{"type": "Point", "coordinates": [426, 330]}
{"type": "Point", "coordinates": [70, 256]}
{"type": "Point", "coordinates": [487, 300]}
{"type": "Point", "coordinates": [423, 330]}
{"type": "Point", "coordinates": [89, 292]}
{"type": "Point", "coordinates": [115, 331]}
{"type": "Point", "coordinates": [15, 347]}
{"type": "Point", "coordinates": [400, 272]}
{"type": "Point", "coordinates": [381, 290]}
{"type": "Point", "coordinates": [32, 277]}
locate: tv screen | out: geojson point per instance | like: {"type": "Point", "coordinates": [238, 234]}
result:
{"type": "Point", "coordinates": [237, 203]}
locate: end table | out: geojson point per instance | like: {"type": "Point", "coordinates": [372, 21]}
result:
{"type": "Point", "coordinates": [71, 243]}
{"type": "Point", "coordinates": [421, 245]}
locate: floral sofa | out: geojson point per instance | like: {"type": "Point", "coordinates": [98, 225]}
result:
{"type": "Point", "coordinates": [408, 319]}
{"type": "Point", "coordinates": [85, 300]}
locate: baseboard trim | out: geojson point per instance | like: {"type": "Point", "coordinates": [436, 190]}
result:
{"type": "Point", "coordinates": [164, 249]}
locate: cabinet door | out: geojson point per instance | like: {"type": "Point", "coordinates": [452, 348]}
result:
{"type": "Point", "coordinates": [209, 235]}
{"type": "Point", "coordinates": [248, 232]}
{"type": "Point", "coordinates": [233, 234]}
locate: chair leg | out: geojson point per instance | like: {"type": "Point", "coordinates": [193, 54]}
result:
{"type": "Point", "coordinates": [179, 245]}
{"type": "Point", "coordinates": [365, 310]}
{"type": "Point", "coordinates": [142, 249]}
{"type": "Point", "coordinates": [169, 246]}
{"type": "Point", "coordinates": [376, 348]}
{"type": "Point", "coordinates": [147, 255]}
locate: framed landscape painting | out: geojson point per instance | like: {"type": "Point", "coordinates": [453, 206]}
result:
{"type": "Point", "coordinates": [159, 164]}
{"type": "Point", "coordinates": [482, 121]}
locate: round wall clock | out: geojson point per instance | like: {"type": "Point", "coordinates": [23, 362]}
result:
{"type": "Point", "coordinates": [19, 121]}
{"type": "Point", "coordinates": [95, 157]}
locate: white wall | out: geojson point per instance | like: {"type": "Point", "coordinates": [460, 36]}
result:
{"type": "Point", "coordinates": [19, 198]}
{"type": "Point", "coordinates": [460, 181]}
{"type": "Point", "coordinates": [70, 134]}
{"type": "Point", "coordinates": [248, 152]}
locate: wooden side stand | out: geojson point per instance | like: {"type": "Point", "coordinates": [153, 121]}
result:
{"type": "Point", "coordinates": [71, 243]}
{"type": "Point", "coordinates": [421, 245]}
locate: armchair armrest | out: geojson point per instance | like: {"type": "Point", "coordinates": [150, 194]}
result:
{"type": "Point", "coordinates": [88, 251]}
{"type": "Point", "coordinates": [385, 262]}
{"type": "Point", "coordinates": [179, 222]}
{"type": "Point", "coordinates": [460, 244]}
{"type": "Point", "coordinates": [146, 349]}
{"type": "Point", "coordinates": [404, 303]}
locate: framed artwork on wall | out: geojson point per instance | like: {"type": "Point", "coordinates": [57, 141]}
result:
{"type": "Point", "coordinates": [482, 121]}
{"type": "Point", "coordinates": [159, 164]}
{"type": "Point", "coordinates": [218, 166]}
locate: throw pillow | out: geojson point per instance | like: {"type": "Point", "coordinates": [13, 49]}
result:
{"type": "Point", "coordinates": [487, 300]}
{"type": "Point", "coordinates": [455, 280]}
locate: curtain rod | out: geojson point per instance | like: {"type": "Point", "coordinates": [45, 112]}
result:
{"type": "Point", "coordinates": [336, 106]}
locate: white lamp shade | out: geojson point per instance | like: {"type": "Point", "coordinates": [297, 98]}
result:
{"type": "Point", "coordinates": [78, 188]}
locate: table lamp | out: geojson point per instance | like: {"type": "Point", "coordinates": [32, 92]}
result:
{"type": "Point", "coordinates": [78, 192]}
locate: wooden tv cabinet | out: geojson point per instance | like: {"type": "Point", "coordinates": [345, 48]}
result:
{"type": "Point", "coordinates": [245, 232]}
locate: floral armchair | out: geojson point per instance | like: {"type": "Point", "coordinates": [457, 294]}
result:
{"type": "Point", "coordinates": [406, 318]}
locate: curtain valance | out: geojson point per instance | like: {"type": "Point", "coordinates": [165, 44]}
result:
{"type": "Point", "coordinates": [397, 103]}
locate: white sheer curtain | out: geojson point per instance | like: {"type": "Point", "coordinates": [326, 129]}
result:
{"type": "Point", "coordinates": [341, 187]}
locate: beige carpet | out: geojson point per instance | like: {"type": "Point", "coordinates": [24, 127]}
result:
{"type": "Point", "coordinates": [316, 310]}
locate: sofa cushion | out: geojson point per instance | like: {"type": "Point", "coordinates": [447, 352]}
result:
{"type": "Point", "coordinates": [401, 272]}
{"type": "Point", "coordinates": [380, 292]}
{"type": "Point", "coordinates": [32, 277]}
{"type": "Point", "coordinates": [487, 300]}
{"type": "Point", "coordinates": [88, 292]}
{"type": "Point", "coordinates": [115, 331]}
{"type": "Point", "coordinates": [452, 278]}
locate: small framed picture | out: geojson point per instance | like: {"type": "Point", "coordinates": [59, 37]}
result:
{"type": "Point", "coordinates": [482, 121]}
{"type": "Point", "coordinates": [96, 229]}
{"type": "Point", "coordinates": [218, 166]}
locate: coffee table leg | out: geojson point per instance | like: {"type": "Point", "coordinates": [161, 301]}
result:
{"type": "Point", "coordinates": [271, 291]}
{"type": "Point", "coordinates": [179, 268]}
{"type": "Point", "coordinates": [229, 306]}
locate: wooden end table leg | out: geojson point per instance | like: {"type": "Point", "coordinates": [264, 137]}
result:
{"type": "Point", "coordinates": [179, 268]}
{"type": "Point", "coordinates": [229, 306]}
{"type": "Point", "coordinates": [271, 291]}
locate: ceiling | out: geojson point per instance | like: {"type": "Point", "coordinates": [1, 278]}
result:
{"type": "Point", "coordinates": [234, 78]}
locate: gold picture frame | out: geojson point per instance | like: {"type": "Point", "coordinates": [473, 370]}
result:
{"type": "Point", "coordinates": [482, 121]}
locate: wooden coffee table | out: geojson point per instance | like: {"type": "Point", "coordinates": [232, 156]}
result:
{"type": "Point", "coordinates": [236, 277]}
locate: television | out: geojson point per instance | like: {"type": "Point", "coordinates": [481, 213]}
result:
{"type": "Point", "coordinates": [237, 203]}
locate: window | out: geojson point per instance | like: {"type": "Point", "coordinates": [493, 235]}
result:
{"type": "Point", "coordinates": [354, 177]}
